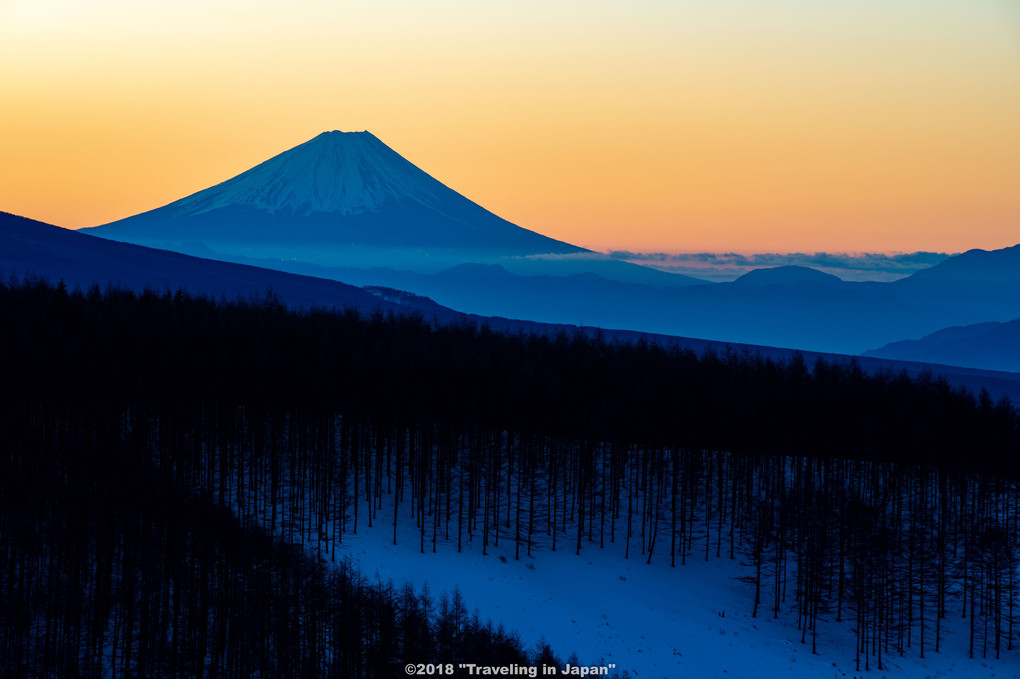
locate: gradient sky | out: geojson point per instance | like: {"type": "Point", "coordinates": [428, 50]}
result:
{"type": "Point", "coordinates": [722, 125]}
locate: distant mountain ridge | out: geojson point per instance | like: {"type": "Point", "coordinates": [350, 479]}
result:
{"type": "Point", "coordinates": [346, 206]}
{"type": "Point", "coordinates": [787, 275]}
{"type": "Point", "coordinates": [804, 309]}
{"type": "Point", "coordinates": [996, 266]}
{"type": "Point", "coordinates": [32, 248]}
{"type": "Point", "coordinates": [991, 345]}
{"type": "Point", "coordinates": [984, 283]}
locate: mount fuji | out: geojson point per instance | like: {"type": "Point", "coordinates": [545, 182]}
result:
{"type": "Point", "coordinates": [346, 199]}
{"type": "Point", "coordinates": [336, 194]}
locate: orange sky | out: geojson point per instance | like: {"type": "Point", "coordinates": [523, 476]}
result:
{"type": "Point", "coordinates": [671, 126]}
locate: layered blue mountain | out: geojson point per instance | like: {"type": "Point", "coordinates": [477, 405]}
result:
{"type": "Point", "coordinates": [345, 206]}
{"type": "Point", "coordinates": [807, 310]}
{"type": "Point", "coordinates": [984, 282]}
{"type": "Point", "coordinates": [991, 345]}
{"type": "Point", "coordinates": [34, 249]}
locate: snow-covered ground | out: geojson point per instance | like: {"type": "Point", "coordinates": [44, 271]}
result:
{"type": "Point", "coordinates": [649, 620]}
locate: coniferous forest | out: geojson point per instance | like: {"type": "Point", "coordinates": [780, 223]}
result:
{"type": "Point", "coordinates": [179, 474]}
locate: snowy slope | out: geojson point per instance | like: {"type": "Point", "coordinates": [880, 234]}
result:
{"type": "Point", "coordinates": [649, 620]}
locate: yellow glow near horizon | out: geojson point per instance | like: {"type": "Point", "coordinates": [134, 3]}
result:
{"type": "Point", "coordinates": [671, 126]}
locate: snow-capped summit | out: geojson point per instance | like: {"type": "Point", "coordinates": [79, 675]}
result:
{"type": "Point", "coordinates": [343, 173]}
{"type": "Point", "coordinates": [337, 190]}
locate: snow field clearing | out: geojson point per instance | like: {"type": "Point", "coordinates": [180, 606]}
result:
{"type": "Point", "coordinates": [650, 620]}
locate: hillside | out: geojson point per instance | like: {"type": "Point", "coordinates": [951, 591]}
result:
{"type": "Point", "coordinates": [983, 345]}
{"type": "Point", "coordinates": [31, 248]}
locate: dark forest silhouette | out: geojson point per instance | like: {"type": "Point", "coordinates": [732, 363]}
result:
{"type": "Point", "coordinates": [179, 474]}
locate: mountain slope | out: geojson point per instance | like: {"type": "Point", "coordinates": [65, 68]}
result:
{"type": "Point", "coordinates": [337, 190]}
{"type": "Point", "coordinates": [28, 248]}
{"type": "Point", "coordinates": [983, 345]}
{"type": "Point", "coordinates": [986, 283]}
{"type": "Point", "coordinates": [991, 266]}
